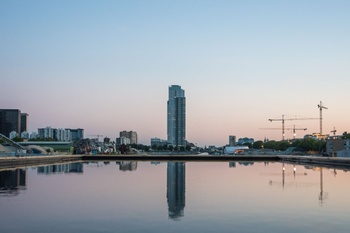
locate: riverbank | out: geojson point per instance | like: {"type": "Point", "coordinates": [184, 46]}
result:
{"type": "Point", "coordinates": [28, 161]}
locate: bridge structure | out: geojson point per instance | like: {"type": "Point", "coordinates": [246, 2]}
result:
{"type": "Point", "coordinates": [12, 143]}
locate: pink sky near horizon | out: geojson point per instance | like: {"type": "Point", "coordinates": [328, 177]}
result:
{"type": "Point", "coordinates": [107, 67]}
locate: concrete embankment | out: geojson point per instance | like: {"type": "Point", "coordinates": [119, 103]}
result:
{"type": "Point", "coordinates": [144, 157]}
{"type": "Point", "coordinates": [28, 161]}
{"type": "Point", "coordinates": [330, 162]}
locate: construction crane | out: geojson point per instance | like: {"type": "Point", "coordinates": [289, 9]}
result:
{"type": "Point", "coordinates": [334, 131]}
{"type": "Point", "coordinates": [294, 129]}
{"type": "Point", "coordinates": [320, 106]}
{"type": "Point", "coordinates": [289, 119]}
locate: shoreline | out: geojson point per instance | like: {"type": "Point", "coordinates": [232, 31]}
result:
{"type": "Point", "coordinates": [30, 161]}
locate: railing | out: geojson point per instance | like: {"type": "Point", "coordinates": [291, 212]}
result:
{"type": "Point", "coordinates": [12, 143]}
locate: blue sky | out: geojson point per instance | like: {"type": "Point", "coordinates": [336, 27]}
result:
{"type": "Point", "coordinates": [105, 66]}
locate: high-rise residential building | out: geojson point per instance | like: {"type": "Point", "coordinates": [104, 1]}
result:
{"type": "Point", "coordinates": [10, 120]}
{"type": "Point", "coordinates": [24, 122]}
{"type": "Point", "coordinates": [63, 135]}
{"type": "Point", "coordinates": [132, 135]}
{"type": "Point", "coordinates": [176, 116]}
{"type": "Point", "coordinates": [122, 140]}
{"type": "Point", "coordinates": [47, 132]}
{"type": "Point", "coordinates": [76, 134]}
{"type": "Point", "coordinates": [232, 140]}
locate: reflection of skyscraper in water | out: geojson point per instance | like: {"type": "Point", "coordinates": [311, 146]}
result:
{"type": "Point", "coordinates": [176, 184]}
{"type": "Point", "coordinates": [61, 168]}
{"type": "Point", "coordinates": [11, 182]}
{"type": "Point", "coordinates": [127, 166]}
{"type": "Point", "coordinates": [232, 164]}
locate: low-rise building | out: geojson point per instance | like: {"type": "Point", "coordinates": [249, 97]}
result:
{"type": "Point", "coordinates": [158, 142]}
{"type": "Point", "coordinates": [336, 146]}
{"type": "Point", "coordinates": [13, 134]}
{"type": "Point", "coordinates": [25, 135]}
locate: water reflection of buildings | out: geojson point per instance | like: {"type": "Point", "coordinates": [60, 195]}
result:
{"type": "Point", "coordinates": [127, 166]}
{"type": "Point", "coordinates": [176, 185]}
{"type": "Point", "coordinates": [322, 195]}
{"type": "Point", "coordinates": [12, 181]}
{"type": "Point", "coordinates": [245, 163]}
{"type": "Point", "coordinates": [61, 168]}
{"type": "Point", "coordinates": [283, 175]}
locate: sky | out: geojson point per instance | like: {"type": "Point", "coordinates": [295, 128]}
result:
{"type": "Point", "coordinates": [105, 66]}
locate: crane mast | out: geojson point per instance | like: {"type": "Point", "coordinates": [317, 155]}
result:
{"type": "Point", "coordinates": [289, 119]}
{"type": "Point", "coordinates": [320, 106]}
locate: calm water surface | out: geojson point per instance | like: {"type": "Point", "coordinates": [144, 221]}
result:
{"type": "Point", "coordinates": [175, 197]}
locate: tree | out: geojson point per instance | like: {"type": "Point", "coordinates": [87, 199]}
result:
{"type": "Point", "coordinates": [271, 145]}
{"type": "Point", "coordinates": [310, 144]}
{"type": "Point", "coordinates": [282, 145]}
{"type": "Point", "coordinates": [258, 145]}
{"type": "Point", "coordinates": [188, 148]}
{"type": "Point", "coordinates": [146, 148]}
{"type": "Point", "coordinates": [249, 145]}
{"type": "Point", "coordinates": [17, 139]}
{"type": "Point", "coordinates": [171, 147]}
{"type": "Point", "coordinates": [165, 147]}
{"type": "Point", "coordinates": [346, 135]}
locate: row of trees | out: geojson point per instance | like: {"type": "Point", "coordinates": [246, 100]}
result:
{"type": "Point", "coordinates": [307, 144]}
{"type": "Point", "coordinates": [171, 148]}
{"type": "Point", "coordinates": [140, 147]}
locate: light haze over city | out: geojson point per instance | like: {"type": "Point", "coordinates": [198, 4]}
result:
{"type": "Point", "coordinates": [105, 66]}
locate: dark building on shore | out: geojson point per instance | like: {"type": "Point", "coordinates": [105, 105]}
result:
{"type": "Point", "coordinates": [10, 120]}
{"type": "Point", "coordinates": [24, 122]}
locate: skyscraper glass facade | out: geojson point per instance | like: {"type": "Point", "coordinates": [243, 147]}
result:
{"type": "Point", "coordinates": [24, 122]}
{"type": "Point", "coordinates": [176, 116]}
{"type": "Point", "coordinates": [10, 120]}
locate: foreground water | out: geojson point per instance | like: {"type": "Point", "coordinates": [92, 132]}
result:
{"type": "Point", "coordinates": [175, 197]}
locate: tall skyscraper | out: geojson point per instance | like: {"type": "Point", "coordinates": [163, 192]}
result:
{"type": "Point", "coordinates": [10, 120]}
{"type": "Point", "coordinates": [232, 140]}
{"type": "Point", "coordinates": [24, 122]}
{"type": "Point", "coordinates": [176, 116]}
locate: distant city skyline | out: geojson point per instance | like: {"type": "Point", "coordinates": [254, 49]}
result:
{"type": "Point", "coordinates": [104, 66]}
